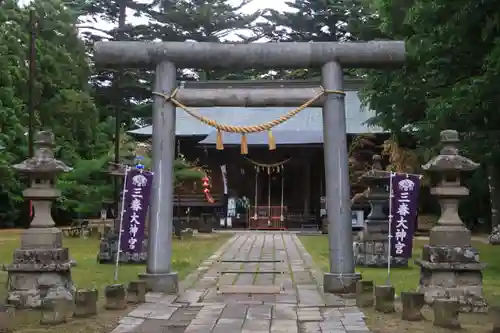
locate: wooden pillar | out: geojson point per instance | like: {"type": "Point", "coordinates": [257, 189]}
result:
{"type": "Point", "coordinates": [307, 186]}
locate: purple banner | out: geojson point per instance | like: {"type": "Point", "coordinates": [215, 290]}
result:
{"type": "Point", "coordinates": [136, 196]}
{"type": "Point", "coordinates": [403, 214]}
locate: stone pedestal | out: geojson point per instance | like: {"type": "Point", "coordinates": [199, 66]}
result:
{"type": "Point", "coordinates": [340, 283]}
{"type": "Point", "coordinates": [108, 247]}
{"type": "Point", "coordinates": [167, 283]}
{"type": "Point", "coordinates": [57, 307]}
{"type": "Point", "coordinates": [41, 263]}
{"type": "Point", "coordinates": [384, 299]}
{"type": "Point", "coordinates": [450, 268]}
{"type": "Point", "coordinates": [136, 292]}
{"type": "Point", "coordinates": [494, 318]}
{"type": "Point", "coordinates": [364, 294]}
{"type": "Point", "coordinates": [6, 319]}
{"type": "Point", "coordinates": [494, 238]}
{"type": "Point", "coordinates": [86, 303]}
{"type": "Point", "coordinates": [412, 304]}
{"type": "Point", "coordinates": [116, 297]}
{"type": "Point", "coordinates": [373, 246]}
{"type": "Point", "coordinates": [446, 314]}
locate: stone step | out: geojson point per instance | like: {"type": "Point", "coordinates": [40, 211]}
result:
{"type": "Point", "coordinates": [251, 289]}
{"type": "Point", "coordinates": [249, 261]}
{"type": "Point", "coordinates": [251, 272]}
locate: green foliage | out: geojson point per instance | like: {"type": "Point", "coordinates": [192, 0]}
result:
{"type": "Point", "coordinates": [185, 171]}
{"type": "Point", "coordinates": [202, 21]}
{"type": "Point", "coordinates": [88, 181]}
{"type": "Point", "coordinates": [12, 114]}
{"type": "Point", "coordinates": [319, 21]}
{"type": "Point", "coordinates": [450, 80]}
{"type": "Point", "coordinates": [63, 103]}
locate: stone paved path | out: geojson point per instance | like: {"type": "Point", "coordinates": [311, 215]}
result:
{"type": "Point", "coordinates": [301, 307]}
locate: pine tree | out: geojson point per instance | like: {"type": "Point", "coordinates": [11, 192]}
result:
{"type": "Point", "coordinates": [118, 93]}
{"type": "Point", "coordinates": [319, 21]}
{"type": "Point", "coordinates": [202, 21]}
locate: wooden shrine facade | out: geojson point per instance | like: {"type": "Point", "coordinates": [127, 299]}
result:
{"type": "Point", "coordinates": [283, 187]}
{"type": "Point", "coordinates": [284, 198]}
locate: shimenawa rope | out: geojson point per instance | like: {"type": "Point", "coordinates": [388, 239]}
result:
{"type": "Point", "coordinates": [244, 130]}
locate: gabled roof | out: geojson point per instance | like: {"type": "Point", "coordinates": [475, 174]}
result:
{"type": "Point", "coordinates": [309, 120]}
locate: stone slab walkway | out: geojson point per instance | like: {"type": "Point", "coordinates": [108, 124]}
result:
{"type": "Point", "coordinates": [199, 308]}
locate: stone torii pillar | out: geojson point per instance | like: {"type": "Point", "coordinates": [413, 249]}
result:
{"type": "Point", "coordinates": [332, 57]}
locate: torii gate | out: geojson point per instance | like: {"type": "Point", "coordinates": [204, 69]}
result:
{"type": "Point", "coordinates": [330, 56]}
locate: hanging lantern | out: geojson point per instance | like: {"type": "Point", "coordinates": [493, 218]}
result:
{"type": "Point", "coordinates": [205, 182]}
{"type": "Point", "coordinates": [206, 189]}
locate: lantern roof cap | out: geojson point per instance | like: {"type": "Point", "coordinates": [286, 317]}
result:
{"type": "Point", "coordinates": [449, 158]}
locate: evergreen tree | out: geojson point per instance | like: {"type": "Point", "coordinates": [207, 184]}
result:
{"type": "Point", "coordinates": [63, 100]}
{"type": "Point", "coordinates": [450, 80]}
{"type": "Point", "coordinates": [12, 108]}
{"type": "Point", "coordinates": [203, 21]}
{"type": "Point", "coordinates": [320, 21]}
{"type": "Point", "coordinates": [117, 92]}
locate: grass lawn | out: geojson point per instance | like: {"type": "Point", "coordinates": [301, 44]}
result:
{"type": "Point", "coordinates": [407, 279]}
{"type": "Point", "coordinates": [186, 256]}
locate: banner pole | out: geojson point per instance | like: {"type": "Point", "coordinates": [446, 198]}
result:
{"type": "Point", "coordinates": [389, 236]}
{"type": "Point", "coordinates": [119, 249]}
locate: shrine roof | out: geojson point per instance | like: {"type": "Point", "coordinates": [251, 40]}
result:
{"type": "Point", "coordinates": [308, 124]}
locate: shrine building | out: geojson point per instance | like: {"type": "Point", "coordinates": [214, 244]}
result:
{"type": "Point", "coordinates": [266, 189]}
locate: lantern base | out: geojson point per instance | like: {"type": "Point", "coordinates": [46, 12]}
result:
{"type": "Point", "coordinates": [36, 272]}
{"type": "Point", "coordinates": [450, 235]}
{"type": "Point", "coordinates": [373, 248]}
{"type": "Point", "coordinates": [108, 250]}
{"type": "Point", "coordinates": [375, 254]}
{"type": "Point", "coordinates": [452, 272]}
{"type": "Point", "coordinates": [41, 238]}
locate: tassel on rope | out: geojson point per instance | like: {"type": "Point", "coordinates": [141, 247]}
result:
{"type": "Point", "coordinates": [244, 144]}
{"type": "Point", "coordinates": [271, 140]}
{"type": "Point", "coordinates": [218, 141]}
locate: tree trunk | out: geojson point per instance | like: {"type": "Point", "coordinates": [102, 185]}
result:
{"type": "Point", "coordinates": [493, 181]}
{"type": "Point", "coordinates": [494, 189]}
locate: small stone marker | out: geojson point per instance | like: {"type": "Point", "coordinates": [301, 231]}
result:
{"type": "Point", "coordinates": [136, 292]}
{"type": "Point", "coordinates": [446, 313]}
{"type": "Point", "coordinates": [86, 303]}
{"type": "Point", "coordinates": [412, 304]}
{"type": "Point", "coordinates": [116, 297]}
{"type": "Point", "coordinates": [384, 299]}
{"type": "Point", "coordinates": [494, 314]}
{"type": "Point", "coordinates": [5, 319]}
{"type": "Point", "coordinates": [364, 294]}
{"type": "Point", "coordinates": [57, 307]}
{"type": "Point", "coordinates": [187, 234]}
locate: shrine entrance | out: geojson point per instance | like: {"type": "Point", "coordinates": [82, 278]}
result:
{"type": "Point", "coordinates": [331, 57]}
{"type": "Point", "coordinates": [269, 209]}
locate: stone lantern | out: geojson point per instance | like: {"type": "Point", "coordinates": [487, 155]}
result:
{"type": "Point", "coordinates": [42, 263]}
{"type": "Point", "coordinates": [450, 267]}
{"type": "Point", "coordinates": [373, 246]}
